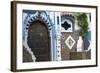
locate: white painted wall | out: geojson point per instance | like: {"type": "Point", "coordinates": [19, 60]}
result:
{"type": "Point", "coordinates": [5, 37]}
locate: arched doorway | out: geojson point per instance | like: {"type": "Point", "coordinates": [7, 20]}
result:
{"type": "Point", "coordinates": [38, 40]}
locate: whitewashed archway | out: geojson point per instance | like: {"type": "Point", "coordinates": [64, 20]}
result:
{"type": "Point", "coordinates": [41, 16]}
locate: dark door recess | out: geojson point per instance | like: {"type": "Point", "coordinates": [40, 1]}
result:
{"type": "Point", "coordinates": [38, 40]}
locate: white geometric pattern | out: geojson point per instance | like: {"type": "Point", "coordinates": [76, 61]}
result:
{"type": "Point", "coordinates": [70, 42]}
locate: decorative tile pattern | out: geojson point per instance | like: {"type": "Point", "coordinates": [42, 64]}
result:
{"type": "Point", "coordinates": [70, 42]}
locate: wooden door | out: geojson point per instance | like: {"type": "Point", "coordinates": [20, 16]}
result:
{"type": "Point", "coordinates": [38, 40]}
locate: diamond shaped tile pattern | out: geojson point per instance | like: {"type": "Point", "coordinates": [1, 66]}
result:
{"type": "Point", "coordinates": [70, 42]}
